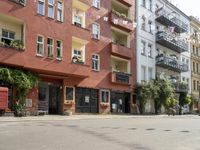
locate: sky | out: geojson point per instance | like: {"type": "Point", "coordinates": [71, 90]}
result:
{"type": "Point", "coordinates": [189, 7]}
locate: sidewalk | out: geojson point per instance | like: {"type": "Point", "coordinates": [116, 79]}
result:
{"type": "Point", "coordinates": [79, 117]}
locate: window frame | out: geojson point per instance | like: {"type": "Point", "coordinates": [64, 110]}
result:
{"type": "Point", "coordinates": [71, 87]}
{"type": "Point", "coordinates": [61, 50]}
{"type": "Point", "coordinates": [38, 54]}
{"type": "Point", "coordinates": [96, 3]}
{"type": "Point", "coordinates": [43, 12]}
{"type": "Point", "coordinates": [52, 6]}
{"type": "Point", "coordinates": [149, 50]}
{"type": "Point", "coordinates": [50, 46]}
{"type": "Point", "coordinates": [143, 50]}
{"type": "Point", "coordinates": [97, 30]}
{"type": "Point", "coordinates": [62, 11]}
{"type": "Point", "coordinates": [101, 98]}
{"type": "Point", "coordinates": [98, 62]}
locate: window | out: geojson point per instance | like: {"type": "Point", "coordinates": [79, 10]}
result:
{"type": "Point", "coordinates": [96, 3]}
{"type": "Point", "coordinates": [59, 49]}
{"type": "Point", "coordinates": [143, 44]}
{"type": "Point", "coordinates": [40, 45]}
{"type": "Point", "coordinates": [197, 85]}
{"type": "Point", "coordinates": [144, 3]}
{"type": "Point", "coordinates": [95, 31]}
{"type": "Point", "coordinates": [105, 96]}
{"type": "Point", "coordinates": [77, 56]}
{"type": "Point", "coordinates": [42, 93]}
{"type": "Point", "coordinates": [194, 85]}
{"type": "Point", "coordinates": [193, 49]}
{"type": "Point", "coordinates": [193, 66]}
{"type": "Point", "coordinates": [77, 20]}
{"type": "Point", "coordinates": [143, 73]}
{"type": "Point", "coordinates": [51, 8]}
{"type": "Point", "coordinates": [150, 26]}
{"type": "Point", "coordinates": [69, 91]}
{"type": "Point", "coordinates": [143, 27]}
{"type": "Point", "coordinates": [197, 51]}
{"type": "Point", "coordinates": [7, 36]}
{"type": "Point", "coordinates": [149, 50]}
{"type": "Point", "coordinates": [60, 11]}
{"type": "Point", "coordinates": [49, 47]}
{"type": "Point", "coordinates": [41, 7]}
{"type": "Point", "coordinates": [95, 62]}
{"type": "Point", "coordinates": [150, 73]}
{"type": "Point", "coordinates": [150, 5]}
{"type": "Point", "coordinates": [197, 67]}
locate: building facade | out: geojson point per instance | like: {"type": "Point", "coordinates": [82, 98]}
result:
{"type": "Point", "coordinates": [82, 50]}
{"type": "Point", "coordinates": [146, 45]}
{"type": "Point", "coordinates": [162, 45]}
{"type": "Point", "coordinates": [195, 61]}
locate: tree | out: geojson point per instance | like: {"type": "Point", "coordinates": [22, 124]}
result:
{"type": "Point", "coordinates": [162, 90]}
{"type": "Point", "coordinates": [143, 92]}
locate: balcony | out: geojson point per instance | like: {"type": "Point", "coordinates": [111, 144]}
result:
{"type": "Point", "coordinates": [121, 51]}
{"type": "Point", "coordinates": [21, 2]}
{"type": "Point", "coordinates": [120, 77]}
{"type": "Point", "coordinates": [126, 2]}
{"type": "Point", "coordinates": [121, 21]}
{"type": "Point", "coordinates": [170, 42]}
{"type": "Point", "coordinates": [180, 87]}
{"type": "Point", "coordinates": [168, 19]}
{"type": "Point", "coordinates": [171, 64]}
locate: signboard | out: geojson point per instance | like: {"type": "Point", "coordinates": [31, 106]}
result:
{"type": "Point", "coordinates": [29, 103]}
{"type": "Point", "coordinates": [87, 99]}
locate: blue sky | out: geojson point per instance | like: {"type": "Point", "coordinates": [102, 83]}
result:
{"type": "Point", "coordinates": [189, 7]}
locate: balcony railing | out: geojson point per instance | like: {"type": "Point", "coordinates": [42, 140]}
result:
{"type": "Point", "coordinates": [171, 64]}
{"type": "Point", "coordinates": [166, 19]}
{"type": "Point", "coordinates": [121, 21]}
{"type": "Point", "coordinates": [180, 87]}
{"type": "Point", "coordinates": [120, 77]}
{"type": "Point", "coordinates": [170, 42]}
{"type": "Point", "coordinates": [21, 2]}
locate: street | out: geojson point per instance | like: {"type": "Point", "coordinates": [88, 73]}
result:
{"type": "Point", "coordinates": [116, 133]}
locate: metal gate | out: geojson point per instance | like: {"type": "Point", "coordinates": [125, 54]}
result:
{"type": "Point", "coordinates": [86, 100]}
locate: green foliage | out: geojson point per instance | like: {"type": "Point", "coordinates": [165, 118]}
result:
{"type": "Point", "coordinates": [21, 80]}
{"type": "Point", "coordinates": [18, 44]}
{"type": "Point", "coordinates": [170, 102]}
{"type": "Point", "coordinates": [143, 92]}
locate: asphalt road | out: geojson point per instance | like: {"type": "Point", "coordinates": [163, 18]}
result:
{"type": "Point", "coordinates": [145, 133]}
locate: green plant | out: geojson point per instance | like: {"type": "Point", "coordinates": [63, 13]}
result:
{"type": "Point", "coordinates": [18, 44]}
{"type": "Point", "coordinates": [143, 92]}
{"type": "Point", "coordinates": [23, 81]}
{"type": "Point", "coordinates": [170, 102]}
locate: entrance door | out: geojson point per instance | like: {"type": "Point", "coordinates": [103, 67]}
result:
{"type": "Point", "coordinates": [86, 100]}
{"type": "Point", "coordinates": [54, 94]}
{"type": "Point", "coordinates": [120, 102]}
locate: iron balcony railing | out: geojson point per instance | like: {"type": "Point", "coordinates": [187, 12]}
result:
{"type": "Point", "coordinates": [171, 64]}
{"type": "Point", "coordinates": [122, 77]}
{"type": "Point", "coordinates": [169, 19]}
{"type": "Point", "coordinates": [167, 40]}
{"type": "Point", "coordinates": [180, 87]}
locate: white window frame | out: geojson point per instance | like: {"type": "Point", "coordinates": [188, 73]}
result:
{"type": "Point", "coordinates": [96, 32]}
{"type": "Point", "coordinates": [52, 6]}
{"type": "Point", "coordinates": [60, 9]}
{"type": "Point", "coordinates": [101, 98]}
{"type": "Point", "coordinates": [79, 56]}
{"type": "Point", "coordinates": [38, 54]}
{"type": "Point", "coordinates": [43, 2]}
{"type": "Point", "coordinates": [96, 3]}
{"type": "Point", "coordinates": [143, 49]}
{"type": "Point", "coordinates": [97, 60]}
{"type": "Point", "coordinates": [150, 50]}
{"type": "Point", "coordinates": [61, 49]}
{"type": "Point", "coordinates": [51, 48]}
{"type": "Point", "coordinates": [8, 37]}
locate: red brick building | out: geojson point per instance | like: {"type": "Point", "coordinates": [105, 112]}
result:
{"type": "Point", "coordinates": [82, 50]}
